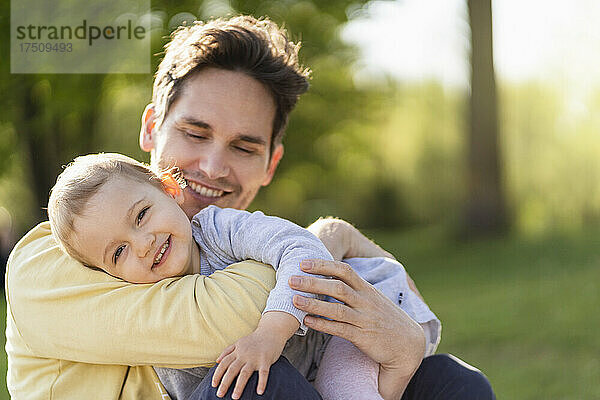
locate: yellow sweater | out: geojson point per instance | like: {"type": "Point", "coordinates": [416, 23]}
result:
{"type": "Point", "coordinates": [74, 333]}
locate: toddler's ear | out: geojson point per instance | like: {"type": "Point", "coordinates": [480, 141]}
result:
{"type": "Point", "coordinates": [171, 187]}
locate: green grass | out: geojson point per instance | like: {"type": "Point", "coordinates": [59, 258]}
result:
{"type": "Point", "coordinates": [521, 310]}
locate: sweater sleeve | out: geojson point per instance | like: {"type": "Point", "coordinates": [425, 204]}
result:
{"type": "Point", "coordinates": [63, 310]}
{"type": "Point", "coordinates": [230, 235]}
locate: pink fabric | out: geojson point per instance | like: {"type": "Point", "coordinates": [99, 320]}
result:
{"type": "Point", "coordinates": [346, 373]}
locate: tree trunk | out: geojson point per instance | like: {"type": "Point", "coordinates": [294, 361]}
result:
{"type": "Point", "coordinates": [38, 155]}
{"type": "Point", "coordinates": [485, 206]}
{"type": "Point", "coordinates": [44, 136]}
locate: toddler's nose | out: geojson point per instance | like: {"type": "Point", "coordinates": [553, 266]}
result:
{"type": "Point", "coordinates": [145, 244]}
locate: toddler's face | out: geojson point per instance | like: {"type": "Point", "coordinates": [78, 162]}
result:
{"type": "Point", "coordinates": [137, 232]}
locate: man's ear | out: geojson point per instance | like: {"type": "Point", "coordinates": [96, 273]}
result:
{"type": "Point", "coordinates": [275, 158]}
{"type": "Point", "coordinates": [147, 131]}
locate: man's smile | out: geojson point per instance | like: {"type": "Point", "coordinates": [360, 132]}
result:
{"type": "Point", "coordinates": [205, 190]}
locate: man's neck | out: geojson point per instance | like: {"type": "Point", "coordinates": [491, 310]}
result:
{"type": "Point", "coordinates": [194, 267]}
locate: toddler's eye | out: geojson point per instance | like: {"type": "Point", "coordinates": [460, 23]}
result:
{"type": "Point", "coordinates": [118, 253]}
{"type": "Point", "coordinates": [140, 216]}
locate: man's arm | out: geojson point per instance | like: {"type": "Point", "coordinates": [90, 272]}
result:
{"type": "Point", "coordinates": [63, 310]}
{"type": "Point", "coordinates": [345, 241]}
{"type": "Point", "coordinates": [229, 235]}
{"type": "Point", "coordinates": [367, 319]}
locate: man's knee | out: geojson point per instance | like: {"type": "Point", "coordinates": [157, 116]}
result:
{"type": "Point", "coordinates": [285, 382]}
{"type": "Point", "coordinates": [465, 381]}
{"type": "Point", "coordinates": [448, 377]}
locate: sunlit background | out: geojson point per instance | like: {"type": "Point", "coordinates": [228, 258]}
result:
{"type": "Point", "coordinates": [548, 75]}
{"type": "Point", "coordinates": [381, 140]}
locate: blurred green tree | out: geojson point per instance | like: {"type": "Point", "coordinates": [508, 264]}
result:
{"type": "Point", "coordinates": [49, 119]}
{"type": "Point", "coordinates": [485, 204]}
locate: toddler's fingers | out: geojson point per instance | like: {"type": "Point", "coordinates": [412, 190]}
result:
{"type": "Point", "coordinates": [263, 377]}
{"type": "Point", "coordinates": [221, 369]}
{"type": "Point", "coordinates": [228, 378]}
{"type": "Point", "coordinates": [242, 380]}
{"type": "Point", "coordinates": [225, 352]}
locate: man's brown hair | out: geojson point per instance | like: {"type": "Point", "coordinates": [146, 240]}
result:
{"type": "Point", "coordinates": [256, 47]}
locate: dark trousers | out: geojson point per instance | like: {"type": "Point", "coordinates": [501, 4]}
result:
{"type": "Point", "coordinates": [439, 377]}
{"type": "Point", "coordinates": [445, 377]}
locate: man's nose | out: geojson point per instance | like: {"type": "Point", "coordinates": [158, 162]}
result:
{"type": "Point", "coordinates": [214, 164]}
{"type": "Point", "coordinates": [144, 244]}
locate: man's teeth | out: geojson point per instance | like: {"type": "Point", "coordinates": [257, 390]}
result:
{"type": "Point", "coordinates": [162, 252]}
{"type": "Point", "coordinates": [204, 191]}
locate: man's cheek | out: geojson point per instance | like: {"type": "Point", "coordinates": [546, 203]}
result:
{"type": "Point", "coordinates": [174, 154]}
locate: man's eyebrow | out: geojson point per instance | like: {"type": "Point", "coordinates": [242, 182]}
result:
{"type": "Point", "coordinates": [252, 139]}
{"type": "Point", "coordinates": [128, 217]}
{"type": "Point", "coordinates": [205, 125]}
{"type": "Point", "coordinates": [195, 122]}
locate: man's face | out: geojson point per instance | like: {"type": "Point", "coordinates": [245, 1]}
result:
{"type": "Point", "coordinates": [218, 132]}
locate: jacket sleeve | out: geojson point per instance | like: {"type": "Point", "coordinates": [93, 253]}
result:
{"type": "Point", "coordinates": [235, 235]}
{"type": "Point", "coordinates": [63, 310]}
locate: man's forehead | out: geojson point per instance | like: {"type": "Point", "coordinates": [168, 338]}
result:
{"type": "Point", "coordinates": [221, 85]}
{"type": "Point", "coordinates": [224, 100]}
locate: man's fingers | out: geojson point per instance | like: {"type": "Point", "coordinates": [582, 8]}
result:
{"type": "Point", "coordinates": [335, 311]}
{"type": "Point", "coordinates": [228, 378]}
{"type": "Point", "coordinates": [343, 330]}
{"type": "Point", "coordinates": [263, 377]}
{"type": "Point", "coordinates": [337, 269]}
{"type": "Point", "coordinates": [225, 352]}
{"type": "Point", "coordinates": [331, 287]}
{"type": "Point", "coordinates": [242, 379]}
{"type": "Point", "coordinates": [220, 370]}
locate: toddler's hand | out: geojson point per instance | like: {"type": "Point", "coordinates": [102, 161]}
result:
{"type": "Point", "coordinates": [255, 352]}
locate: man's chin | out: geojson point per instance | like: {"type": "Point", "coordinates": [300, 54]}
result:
{"type": "Point", "coordinates": [193, 202]}
{"type": "Point", "coordinates": [190, 211]}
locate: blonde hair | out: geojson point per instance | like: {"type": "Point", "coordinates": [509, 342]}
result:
{"type": "Point", "coordinates": [81, 180]}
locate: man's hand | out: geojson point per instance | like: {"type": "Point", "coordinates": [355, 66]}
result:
{"type": "Point", "coordinates": [367, 318]}
{"type": "Point", "coordinates": [255, 352]}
